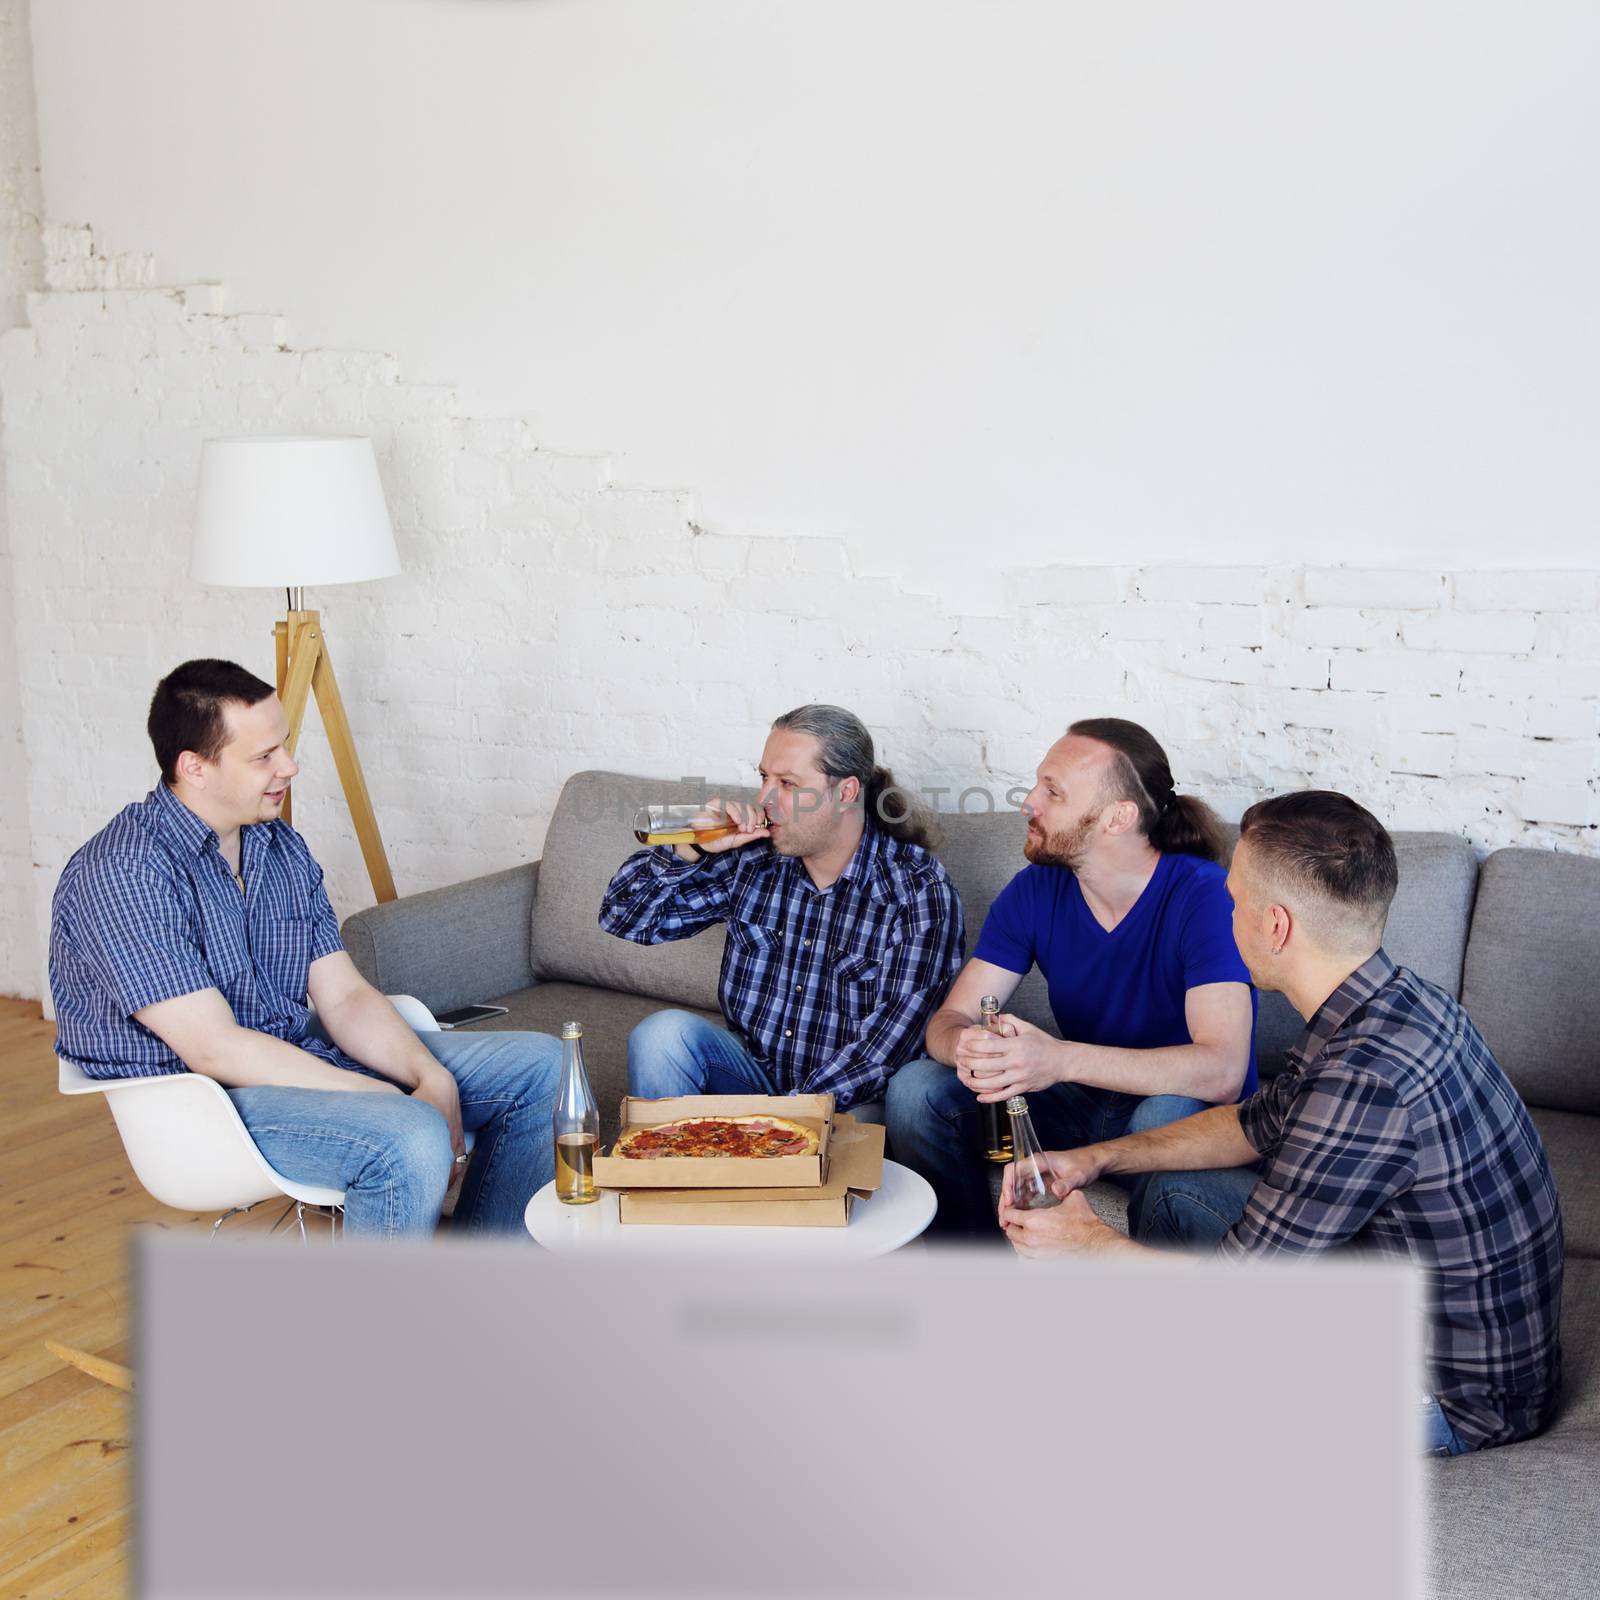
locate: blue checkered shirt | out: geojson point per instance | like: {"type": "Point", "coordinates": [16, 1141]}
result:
{"type": "Point", "coordinates": [1393, 1129]}
{"type": "Point", "coordinates": [829, 989]}
{"type": "Point", "coordinates": [149, 910]}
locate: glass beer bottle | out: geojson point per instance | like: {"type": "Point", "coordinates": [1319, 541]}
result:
{"type": "Point", "coordinates": [680, 824]}
{"type": "Point", "coordinates": [1030, 1176]}
{"type": "Point", "coordinates": [576, 1123]}
{"type": "Point", "coordinates": [994, 1125]}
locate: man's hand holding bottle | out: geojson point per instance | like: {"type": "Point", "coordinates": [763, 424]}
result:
{"type": "Point", "coordinates": [724, 825]}
{"type": "Point", "coordinates": [1069, 1170]}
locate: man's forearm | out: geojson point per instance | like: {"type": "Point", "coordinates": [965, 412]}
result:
{"type": "Point", "coordinates": [242, 1058]}
{"type": "Point", "coordinates": [944, 1028]}
{"type": "Point", "coordinates": [1212, 1138]}
{"type": "Point", "coordinates": [369, 1030]}
{"type": "Point", "coordinates": [1200, 1071]}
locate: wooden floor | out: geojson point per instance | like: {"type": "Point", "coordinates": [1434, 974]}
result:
{"type": "Point", "coordinates": [68, 1205]}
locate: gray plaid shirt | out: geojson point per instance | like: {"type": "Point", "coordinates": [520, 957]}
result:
{"type": "Point", "coordinates": [1392, 1128]}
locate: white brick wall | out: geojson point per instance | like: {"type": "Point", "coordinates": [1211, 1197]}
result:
{"type": "Point", "coordinates": [551, 618]}
{"type": "Point", "coordinates": [21, 269]}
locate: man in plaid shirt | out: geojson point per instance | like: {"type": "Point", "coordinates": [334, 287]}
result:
{"type": "Point", "coordinates": [193, 934]}
{"type": "Point", "coordinates": [1391, 1128]}
{"type": "Point", "coordinates": [843, 928]}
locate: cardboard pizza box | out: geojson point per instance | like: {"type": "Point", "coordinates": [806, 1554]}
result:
{"type": "Point", "coordinates": [856, 1171]}
{"type": "Point", "coordinates": [721, 1172]}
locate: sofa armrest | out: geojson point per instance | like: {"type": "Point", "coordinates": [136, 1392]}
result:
{"type": "Point", "coordinates": [450, 947]}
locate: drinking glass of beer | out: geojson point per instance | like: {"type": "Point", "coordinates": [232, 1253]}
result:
{"type": "Point", "coordinates": [681, 824]}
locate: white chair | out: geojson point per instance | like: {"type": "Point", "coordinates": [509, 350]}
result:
{"type": "Point", "coordinates": [190, 1149]}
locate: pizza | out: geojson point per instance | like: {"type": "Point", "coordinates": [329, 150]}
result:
{"type": "Point", "coordinates": [719, 1136]}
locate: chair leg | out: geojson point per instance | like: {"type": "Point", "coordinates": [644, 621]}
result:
{"type": "Point", "coordinates": [300, 1217]}
{"type": "Point", "coordinates": [283, 1217]}
{"type": "Point", "coordinates": [232, 1211]}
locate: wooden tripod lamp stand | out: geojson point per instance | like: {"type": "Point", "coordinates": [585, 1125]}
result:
{"type": "Point", "coordinates": [289, 514]}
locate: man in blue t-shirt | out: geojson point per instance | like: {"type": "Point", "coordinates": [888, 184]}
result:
{"type": "Point", "coordinates": [1123, 909]}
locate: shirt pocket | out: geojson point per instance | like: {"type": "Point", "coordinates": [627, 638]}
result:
{"type": "Point", "coordinates": [282, 949]}
{"type": "Point", "coordinates": [752, 941]}
{"type": "Point", "coordinates": [855, 987]}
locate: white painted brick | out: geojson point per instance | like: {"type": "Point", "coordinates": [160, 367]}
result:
{"type": "Point", "coordinates": [1227, 664]}
{"type": "Point", "coordinates": [326, 368]}
{"type": "Point", "coordinates": [1339, 626]}
{"type": "Point", "coordinates": [1156, 623]}
{"type": "Point", "coordinates": [1571, 803]}
{"type": "Point", "coordinates": [1561, 719]}
{"type": "Point", "coordinates": [1505, 678]}
{"type": "Point", "coordinates": [1495, 754]}
{"type": "Point", "coordinates": [487, 436]}
{"type": "Point", "coordinates": [823, 558]}
{"type": "Point", "coordinates": [1526, 591]}
{"type": "Point", "coordinates": [208, 298]}
{"type": "Point", "coordinates": [1331, 710]}
{"type": "Point", "coordinates": [257, 331]}
{"type": "Point", "coordinates": [1230, 586]}
{"type": "Point", "coordinates": [1374, 588]}
{"type": "Point", "coordinates": [1573, 639]}
{"type": "Point", "coordinates": [478, 475]}
{"type": "Point", "coordinates": [1386, 671]}
{"type": "Point", "coordinates": [1470, 633]}
{"type": "Point", "coordinates": [719, 556]}
{"type": "Point", "coordinates": [771, 558]}
{"type": "Point", "coordinates": [1223, 624]}
{"type": "Point", "coordinates": [557, 473]}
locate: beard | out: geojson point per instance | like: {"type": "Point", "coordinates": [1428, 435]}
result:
{"type": "Point", "coordinates": [1062, 849]}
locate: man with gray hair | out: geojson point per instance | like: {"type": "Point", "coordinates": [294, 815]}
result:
{"type": "Point", "coordinates": [1391, 1128]}
{"type": "Point", "coordinates": [843, 927]}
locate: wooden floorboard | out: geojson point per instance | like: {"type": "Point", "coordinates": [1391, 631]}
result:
{"type": "Point", "coordinates": [69, 1208]}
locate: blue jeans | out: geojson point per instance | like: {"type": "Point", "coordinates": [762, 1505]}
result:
{"type": "Point", "coordinates": [391, 1154]}
{"type": "Point", "coordinates": [1192, 1210]}
{"type": "Point", "coordinates": [934, 1129]}
{"type": "Point", "coordinates": [676, 1052]}
{"type": "Point", "coordinates": [1439, 1437]}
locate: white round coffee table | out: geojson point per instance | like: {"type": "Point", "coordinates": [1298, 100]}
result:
{"type": "Point", "coordinates": [891, 1217]}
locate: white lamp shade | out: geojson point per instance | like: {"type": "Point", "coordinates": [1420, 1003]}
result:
{"type": "Point", "coordinates": [291, 513]}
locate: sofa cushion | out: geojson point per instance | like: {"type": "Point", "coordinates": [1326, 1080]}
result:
{"type": "Point", "coordinates": [1520, 1519]}
{"type": "Point", "coordinates": [590, 835]}
{"type": "Point", "coordinates": [982, 854]}
{"type": "Point", "coordinates": [1427, 927]}
{"type": "Point", "coordinates": [1572, 1141]}
{"type": "Point", "coordinates": [1533, 974]}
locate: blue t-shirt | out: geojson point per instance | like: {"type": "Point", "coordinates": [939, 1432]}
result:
{"type": "Point", "coordinates": [1125, 988]}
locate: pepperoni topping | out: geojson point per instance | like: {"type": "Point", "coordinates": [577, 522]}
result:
{"type": "Point", "coordinates": [702, 1136]}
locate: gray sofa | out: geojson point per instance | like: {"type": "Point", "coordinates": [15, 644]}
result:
{"type": "Point", "coordinates": [1518, 938]}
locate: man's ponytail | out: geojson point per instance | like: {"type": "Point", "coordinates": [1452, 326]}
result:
{"type": "Point", "coordinates": [1176, 824]}
{"type": "Point", "coordinates": [896, 812]}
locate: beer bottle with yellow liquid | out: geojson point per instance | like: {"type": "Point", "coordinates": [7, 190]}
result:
{"type": "Point", "coordinates": [994, 1125]}
{"type": "Point", "coordinates": [1030, 1176]}
{"type": "Point", "coordinates": [576, 1123]}
{"type": "Point", "coordinates": [680, 824]}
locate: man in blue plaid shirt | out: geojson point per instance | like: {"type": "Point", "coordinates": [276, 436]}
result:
{"type": "Point", "coordinates": [193, 933]}
{"type": "Point", "coordinates": [843, 928]}
{"type": "Point", "coordinates": [1391, 1128]}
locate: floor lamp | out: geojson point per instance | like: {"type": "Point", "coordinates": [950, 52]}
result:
{"type": "Point", "coordinates": [292, 514]}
